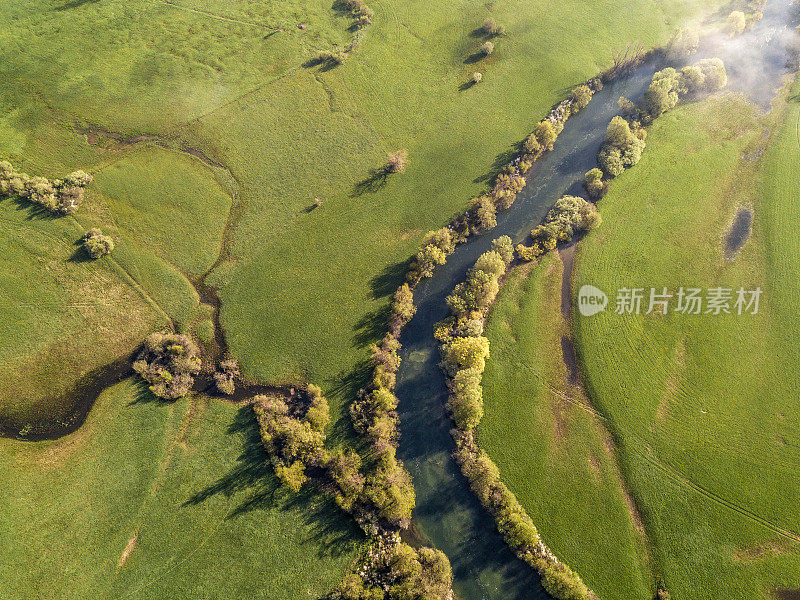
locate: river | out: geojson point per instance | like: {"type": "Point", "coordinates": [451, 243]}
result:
{"type": "Point", "coordinates": [448, 515]}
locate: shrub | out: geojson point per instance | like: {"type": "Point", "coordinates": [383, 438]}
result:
{"type": "Point", "coordinates": [59, 197]}
{"type": "Point", "coordinates": [580, 97]}
{"type": "Point", "coordinates": [465, 353]}
{"type": "Point", "coordinates": [168, 362]}
{"type": "Point", "coordinates": [435, 249]}
{"type": "Point", "coordinates": [662, 94]}
{"type": "Point", "coordinates": [595, 186]}
{"type": "Point", "coordinates": [397, 162]}
{"type": "Point", "coordinates": [491, 28]}
{"type": "Point", "coordinates": [622, 147]}
{"type": "Point", "coordinates": [735, 23]}
{"type": "Point", "coordinates": [546, 134]}
{"type": "Point", "coordinates": [532, 145]}
{"type": "Point", "coordinates": [528, 253]}
{"type": "Point", "coordinates": [466, 401]}
{"type": "Point", "coordinates": [685, 43]}
{"type": "Point", "coordinates": [225, 376]}
{"type": "Point", "coordinates": [570, 214]}
{"type": "Point", "coordinates": [96, 244]}
{"type": "Point", "coordinates": [477, 77]}
{"type": "Point", "coordinates": [487, 48]}
{"type": "Point", "coordinates": [693, 79]}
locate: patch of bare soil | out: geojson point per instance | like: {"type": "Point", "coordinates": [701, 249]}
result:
{"type": "Point", "coordinates": [127, 552]}
{"type": "Point", "coordinates": [764, 550]}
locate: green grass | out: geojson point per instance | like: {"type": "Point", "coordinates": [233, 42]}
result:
{"type": "Point", "coordinates": [702, 404]}
{"type": "Point", "coordinates": [553, 453]}
{"type": "Point", "coordinates": [190, 482]}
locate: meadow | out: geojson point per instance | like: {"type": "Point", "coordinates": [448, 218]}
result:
{"type": "Point", "coordinates": [700, 405]}
{"type": "Point", "coordinates": [304, 290]}
{"type": "Point", "coordinates": [552, 451]}
{"type": "Point", "coordinates": [158, 500]}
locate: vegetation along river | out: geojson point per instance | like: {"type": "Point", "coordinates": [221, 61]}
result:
{"type": "Point", "coordinates": [448, 515]}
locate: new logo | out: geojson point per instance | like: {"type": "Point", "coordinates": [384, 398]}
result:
{"type": "Point", "coordinates": [591, 300]}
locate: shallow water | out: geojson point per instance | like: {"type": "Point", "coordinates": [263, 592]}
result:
{"type": "Point", "coordinates": [448, 515]}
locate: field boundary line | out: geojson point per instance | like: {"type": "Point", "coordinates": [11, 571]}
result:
{"type": "Point", "coordinates": [216, 16]}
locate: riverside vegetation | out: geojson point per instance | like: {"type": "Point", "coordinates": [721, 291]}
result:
{"type": "Point", "coordinates": [189, 69]}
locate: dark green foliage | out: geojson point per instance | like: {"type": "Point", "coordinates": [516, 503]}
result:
{"type": "Point", "coordinates": [168, 362]}
{"type": "Point", "coordinates": [96, 244]}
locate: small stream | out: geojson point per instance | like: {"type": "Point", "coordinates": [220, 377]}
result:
{"type": "Point", "coordinates": [448, 515]}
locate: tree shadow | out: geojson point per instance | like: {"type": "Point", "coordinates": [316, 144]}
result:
{"type": "Point", "coordinates": [467, 85]}
{"type": "Point", "coordinates": [372, 326]}
{"type": "Point", "coordinates": [252, 476]}
{"type": "Point", "coordinates": [35, 211]}
{"type": "Point", "coordinates": [375, 181]}
{"type": "Point", "coordinates": [475, 57]}
{"type": "Point", "coordinates": [143, 395]}
{"type": "Point", "coordinates": [342, 389]}
{"type": "Point", "coordinates": [500, 162]}
{"type": "Point", "coordinates": [74, 4]}
{"type": "Point", "coordinates": [385, 283]}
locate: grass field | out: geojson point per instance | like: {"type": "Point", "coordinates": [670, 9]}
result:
{"type": "Point", "coordinates": [304, 291]}
{"type": "Point", "coordinates": [552, 453]}
{"type": "Point", "coordinates": [155, 500]}
{"type": "Point", "coordinates": [702, 404]}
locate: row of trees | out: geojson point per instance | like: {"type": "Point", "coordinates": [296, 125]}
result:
{"type": "Point", "coordinates": [58, 196]}
{"type": "Point", "coordinates": [569, 216]}
{"type": "Point", "coordinates": [464, 350]}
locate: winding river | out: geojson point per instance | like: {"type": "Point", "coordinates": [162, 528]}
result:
{"type": "Point", "coordinates": [448, 515]}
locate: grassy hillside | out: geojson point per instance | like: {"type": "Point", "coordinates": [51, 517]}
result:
{"type": "Point", "coordinates": [552, 452]}
{"type": "Point", "coordinates": [158, 500]}
{"type": "Point", "coordinates": [701, 403]}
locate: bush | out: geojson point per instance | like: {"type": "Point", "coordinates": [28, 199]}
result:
{"type": "Point", "coordinates": [390, 491]}
{"type": "Point", "coordinates": [491, 28]}
{"type": "Point", "coordinates": [662, 94]}
{"type": "Point", "coordinates": [528, 253]}
{"type": "Point", "coordinates": [595, 186]}
{"type": "Point", "coordinates": [546, 135]}
{"type": "Point", "coordinates": [96, 244]}
{"type": "Point", "coordinates": [580, 97]}
{"type": "Point", "coordinates": [487, 48]}
{"type": "Point", "coordinates": [397, 162]}
{"type": "Point", "coordinates": [168, 362]}
{"type": "Point", "coordinates": [735, 23]}
{"type": "Point", "coordinates": [344, 468]}
{"type": "Point", "coordinates": [570, 215]}
{"type": "Point", "coordinates": [477, 77]}
{"type": "Point", "coordinates": [622, 147]}
{"type": "Point", "coordinates": [59, 197]}
{"type": "Point", "coordinates": [466, 399]}
{"type": "Point", "coordinates": [225, 376]}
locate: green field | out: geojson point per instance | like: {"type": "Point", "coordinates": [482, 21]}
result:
{"type": "Point", "coordinates": [155, 500]}
{"type": "Point", "coordinates": [303, 290]}
{"type": "Point", "coordinates": [552, 452]}
{"type": "Point", "coordinates": [702, 405]}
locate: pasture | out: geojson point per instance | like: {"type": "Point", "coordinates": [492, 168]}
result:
{"type": "Point", "coordinates": [552, 452]}
{"type": "Point", "coordinates": [700, 405]}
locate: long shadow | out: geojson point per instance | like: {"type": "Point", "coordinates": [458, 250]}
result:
{"type": "Point", "coordinates": [375, 181]}
{"type": "Point", "coordinates": [74, 4]}
{"type": "Point", "coordinates": [253, 477]}
{"type": "Point", "coordinates": [475, 57]}
{"type": "Point", "coordinates": [499, 163]}
{"type": "Point", "coordinates": [35, 211]}
{"type": "Point", "coordinates": [372, 326]}
{"type": "Point", "coordinates": [341, 390]}
{"type": "Point", "coordinates": [385, 283]}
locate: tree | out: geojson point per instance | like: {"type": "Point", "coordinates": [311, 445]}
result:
{"type": "Point", "coordinates": [735, 23]}
{"type": "Point", "coordinates": [477, 77]}
{"type": "Point", "coordinates": [96, 244]}
{"type": "Point", "coordinates": [716, 78]}
{"type": "Point", "coordinates": [466, 353]}
{"type": "Point", "coordinates": [397, 162]}
{"type": "Point", "coordinates": [504, 247]}
{"type": "Point", "coordinates": [403, 303]}
{"type": "Point", "coordinates": [580, 97]}
{"type": "Point", "coordinates": [485, 214]}
{"type": "Point", "coordinates": [169, 362]}
{"type": "Point", "coordinates": [545, 134]}
{"type": "Point", "coordinates": [595, 186]}
{"type": "Point", "coordinates": [491, 28]}
{"type": "Point", "coordinates": [487, 48]}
